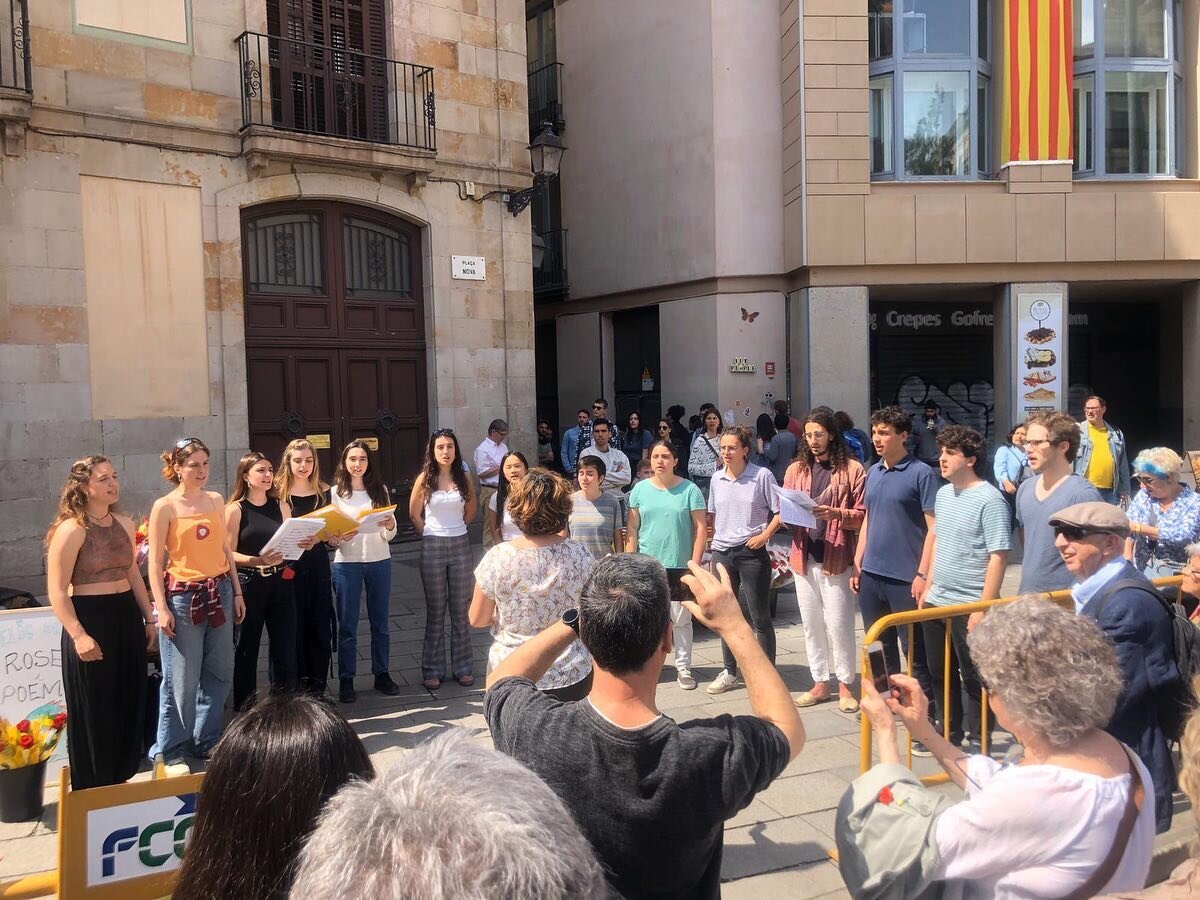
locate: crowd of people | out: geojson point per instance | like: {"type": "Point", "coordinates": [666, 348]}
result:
{"type": "Point", "coordinates": [591, 580]}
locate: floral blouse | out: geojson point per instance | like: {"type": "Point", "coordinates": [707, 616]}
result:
{"type": "Point", "coordinates": [704, 459]}
{"type": "Point", "coordinates": [532, 587]}
{"type": "Point", "coordinates": [1177, 527]}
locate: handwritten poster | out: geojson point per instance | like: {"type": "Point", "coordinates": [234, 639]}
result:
{"type": "Point", "coordinates": [1039, 372]}
{"type": "Point", "coordinates": [31, 670]}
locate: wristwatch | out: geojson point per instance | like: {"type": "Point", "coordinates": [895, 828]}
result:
{"type": "Point", "coordinates": [570, 618]}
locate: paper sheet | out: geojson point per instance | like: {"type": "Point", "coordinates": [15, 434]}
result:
{"type": "Point", "coordinates": [287, 539]}
{"type": "Point", "coordinates": [375, 518]}
{"type": "Point", "coordinates": [795, 508]}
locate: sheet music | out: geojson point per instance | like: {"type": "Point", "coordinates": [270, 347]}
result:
{"type": "Point", "coordinates": [795, 507]}
{"type": "Point", "coordinates": [287, 539]}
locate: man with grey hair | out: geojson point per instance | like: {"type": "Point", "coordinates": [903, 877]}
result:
{"type": "Point", "coordinates": [1090, 538]}
{"type": "Point", "coordinates": [489, 456]}
{"type": "Point", "coordinates": [450, 819]}
{"type": "Point", "coordinates": [651, 795]}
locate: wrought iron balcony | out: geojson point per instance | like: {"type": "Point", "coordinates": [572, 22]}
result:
{"type": "Point", "coordinates": [15, 66]}
{"type": "Point", "coordinates": [546, 98]}
{"type": "Point", "coordinates": [550, 277]}
{"type": "Point", "coordinates": [319, 89]}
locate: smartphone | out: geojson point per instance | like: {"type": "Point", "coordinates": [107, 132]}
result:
{"type": "Point", "coordinates": [879, 671]}
{"type": "Point", "coordinates": [678, 590]}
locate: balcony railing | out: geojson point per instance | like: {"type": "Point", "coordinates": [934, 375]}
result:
{"type": "Point", "coordinates": [15, 66]}
{"type": "Point", "coordinates": [551, 276]}
{"type": "Point", "coordinates": [546, 98]}
{"type": "Point", "coordinates": [318, 89]}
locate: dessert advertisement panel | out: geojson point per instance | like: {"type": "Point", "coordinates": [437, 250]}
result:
{"type": "Point", "coordinates": [1038, 366]}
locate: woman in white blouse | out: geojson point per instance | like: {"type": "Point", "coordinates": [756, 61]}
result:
{"type": "Point", "coordinates": [524, 585]}
{"type": "Point", "coordinates": [1041, 827]}
{"type": "Point", "coordinates": [441, 504]}
{"type": "Point", "coordinates": [512, 469]}
{"type": "Point", "coordinates": [363, 561]}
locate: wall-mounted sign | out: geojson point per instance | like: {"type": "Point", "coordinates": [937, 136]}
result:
{"type": "Point", "coordinates": [769, 369]}
{"type": "Point", "coordinates": [371, 442]}
{"type": "Point", "coordinates": [468, 268]}
{"type": "Point", "coordinates": [741, 365]}
{"type": "Point", "coordinates": [1038, 351]}
{"type": "Point", "coordinates": [319, 441]}
{"type": "Point", "coordinates": [647, 379]}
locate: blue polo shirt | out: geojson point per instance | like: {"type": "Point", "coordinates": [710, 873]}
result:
{"type": "Point", "coordinates": [897, 499]}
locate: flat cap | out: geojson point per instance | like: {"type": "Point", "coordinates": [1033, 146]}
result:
{"type": "Point", "coordinates": [1096, 516]}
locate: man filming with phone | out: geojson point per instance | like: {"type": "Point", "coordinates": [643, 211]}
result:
{"type": "Point", "coordinates": [650, 794]}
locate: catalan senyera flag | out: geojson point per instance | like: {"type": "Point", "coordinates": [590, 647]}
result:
{"type": "Point", "coordinates": [1036, 111]}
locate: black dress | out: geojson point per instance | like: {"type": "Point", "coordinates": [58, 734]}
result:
{"type": "Point", "coordinates": [313, 590]}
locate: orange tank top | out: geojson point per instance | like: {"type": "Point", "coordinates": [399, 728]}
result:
{"type": "Point", "coordinates": [196, 546]}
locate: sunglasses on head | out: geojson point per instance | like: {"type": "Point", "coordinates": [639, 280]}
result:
{"type": "Point", "coordinates": [444, 432]}
{"type": "Point", "coordinates": [1072, 533]}
{"type": "Point", "coordinates": [180, 444]}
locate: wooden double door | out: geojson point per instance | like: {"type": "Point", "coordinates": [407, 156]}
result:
{"type": "Point", "coordinates": [335, 336]}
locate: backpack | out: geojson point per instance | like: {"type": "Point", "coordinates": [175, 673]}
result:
{"type": "Point", "coordinates": [1179, 701]}
{"type": "Point", "coordinates": [855, 446]}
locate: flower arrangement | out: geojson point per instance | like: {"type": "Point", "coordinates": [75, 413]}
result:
{"type": "Point", "coordinates": [30, 741]}
{"type": "Point", "coordinates": [141, 541]}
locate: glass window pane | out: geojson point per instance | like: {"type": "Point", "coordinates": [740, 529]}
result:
{"type": "Point", "coordinates": [879, 28]}
{"type": "Point", "coordinates": [880, 100]}
{"type": "Point", "coordinates": [985, 45]}
{"type": "Point", "coordinates": [1177, 28]}
{"type": "Point", "coordinates": [1134, 28]}
{"type": "Point", "coordinates": [1083, 24]}
{"type": "Point", "coordinates": [936, 133]}
{"type": "Point", "coordinates": [377, 259]}
{"type": "Point", "coordinates": [1180, 127]}
{"type": "Point", "coordinates": [983, 112]}
{"type": "Point", "coordinates": [1135, 123]}
{"type": "Point", "coordinates": [1083, 112]}
{"type": "Point", "coordinates": [937, 26]}
{"type": "Point", "coordinates": [284, 254]}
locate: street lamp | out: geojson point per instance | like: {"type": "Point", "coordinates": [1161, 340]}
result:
{"type": "Point", "coordinates": [545, 156]}
{"type": "Point", "coordinates": [539, 249]}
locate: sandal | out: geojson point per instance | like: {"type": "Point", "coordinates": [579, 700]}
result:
{"type": "Point", "coordinates": [808, 698]}
{"type": "Point", "coordinates": [847, 704]}
{"type": "Point", "coordinates": [431, 684]}
{"type": "Point", "coordinates": [465, 680]}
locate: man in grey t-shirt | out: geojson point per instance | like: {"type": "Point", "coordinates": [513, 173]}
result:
{"type": "Point", "coordinates": [1051, 442]}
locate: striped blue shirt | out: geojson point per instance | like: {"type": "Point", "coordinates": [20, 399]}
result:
{"type": "Point", "coordinates": [970, 525]}
{"type": "Point", "coordinates": [743, 507]}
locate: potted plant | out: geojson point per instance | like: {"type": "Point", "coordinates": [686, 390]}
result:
{"type": "Point", "coordinates": [24, 748]}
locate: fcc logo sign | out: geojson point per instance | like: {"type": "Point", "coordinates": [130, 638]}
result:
{"type": "Point", "coordinates": [138, 839]}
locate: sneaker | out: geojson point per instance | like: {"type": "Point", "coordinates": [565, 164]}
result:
{"type": "Point", "coordinates": [174, 770]}
{"type": "Point", "coordinates": [385, 685]}
{"type": "Point", "coordinates": [972, 747]}
{"type": "Point", "coordinates": [919, 749]}
{"type": "Point", "coordinates": [726, 681]}
{"type": "Point", "coordinates": [685, 679]}
{"type": "Point", "coordinates": [346, 690]}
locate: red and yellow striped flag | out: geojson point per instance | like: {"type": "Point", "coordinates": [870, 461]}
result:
{"type": "Point", "coordinates": [1038, 62]}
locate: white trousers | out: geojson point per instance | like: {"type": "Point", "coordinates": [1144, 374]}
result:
{"type": "Point", "coordinates": [827, 609]}
{"type": "Point", "coordinates": [681, 634]}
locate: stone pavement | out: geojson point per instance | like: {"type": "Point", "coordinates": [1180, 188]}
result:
{"type": "Point", "coordinates": [777, 846]}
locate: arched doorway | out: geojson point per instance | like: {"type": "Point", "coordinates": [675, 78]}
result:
{"type": "Point", "coordinates": [335, 335]}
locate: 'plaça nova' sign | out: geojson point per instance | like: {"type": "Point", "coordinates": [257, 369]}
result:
{"type": "Point", "coordinates": [741, 365]}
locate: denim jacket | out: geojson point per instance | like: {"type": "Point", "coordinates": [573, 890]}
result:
{"type": "Point", "coordinates": [1116, 444]}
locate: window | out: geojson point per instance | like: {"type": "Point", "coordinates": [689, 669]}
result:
{"type": "Point", "coordinates": [881, 124]}
{"type": "Point", "coordinates": [1128, 78]}
{"type": "Point", "coordinates": [930, 94]}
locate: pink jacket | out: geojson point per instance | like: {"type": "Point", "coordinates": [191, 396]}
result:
{"type": "Point", "coordinates": [846, 487]}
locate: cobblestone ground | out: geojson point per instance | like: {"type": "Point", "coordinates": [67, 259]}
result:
{"type": "Point", "coordinates": [777, 846]}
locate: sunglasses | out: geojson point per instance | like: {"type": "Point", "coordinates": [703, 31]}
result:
{"type": "Point", "coordinates": [1071, 533]}
{"type": "Point", "coordinates": [664, 427]}
{"type": "Point", "coordinates": [1145, 479]}
{"type": "Point", "coordinates": [180, 444]}
{"type": "Point", "coordinates": [444, 432]}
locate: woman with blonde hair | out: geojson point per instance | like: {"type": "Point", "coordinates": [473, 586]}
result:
{"type": "Point", "coordinates": [524, 585]}
{"type": "Point", "coordinates": [252, 517]}
{"type": "Point", "coordinates": [298, 483]}
{"type": "Point", "coordinates": [98, 596]}
{"type": "Point", "coordinates": [197, 601]}
{"type": "Point", "coordinates": [1164, 516]}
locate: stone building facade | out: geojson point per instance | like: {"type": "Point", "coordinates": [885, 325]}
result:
{"type": "Point", "coordinates": [155, 136]}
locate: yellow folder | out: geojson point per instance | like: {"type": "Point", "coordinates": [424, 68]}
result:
{"type": "Point", "coordinates": [337, 523]}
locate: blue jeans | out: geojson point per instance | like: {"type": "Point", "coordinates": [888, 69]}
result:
{"type": "Point", "coordinates": [879, 596]}
{"type": "Point", "coordinates": [197, 674]}
{"type": "Point", "coordinates": [348, 582]}
{"type": "Point", "coordinates": [1110, 496]}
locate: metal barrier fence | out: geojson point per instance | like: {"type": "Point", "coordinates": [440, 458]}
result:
{"type": "Point", "coordinates": [912, 618]}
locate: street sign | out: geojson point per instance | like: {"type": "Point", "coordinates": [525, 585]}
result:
{"type": "Point", "coordinates": [468, 268]}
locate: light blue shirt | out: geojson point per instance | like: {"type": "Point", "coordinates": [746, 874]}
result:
{"type": "Point", "coordinates": [570, 448]}
{"type": "Point", "coordinates": [1090, 587]}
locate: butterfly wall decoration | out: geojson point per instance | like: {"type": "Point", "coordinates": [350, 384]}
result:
{"type": "Point", "coordinates": [748, 316]}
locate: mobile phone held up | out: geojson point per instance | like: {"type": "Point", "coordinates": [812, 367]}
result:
{"type": "Point", "coordinates": [879, 671]}
{"type": "Point", "coordinates": [679, 591]}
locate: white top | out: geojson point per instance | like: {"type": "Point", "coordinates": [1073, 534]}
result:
{"type": "Point", "coordinates": [489, 455]}
{"type": "Point", "coordinates": [444, 514]}
{"type": "Point", "coordinates": [508, 530]}
{"type": "Point", "coordinates": [1040, 831]}
{"type": "Point", "coordinates": [363, 547]}
{"type": "Point", "coordinates": [616, 466]}
{"type": "Point", "coordinates": [532, 587]}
